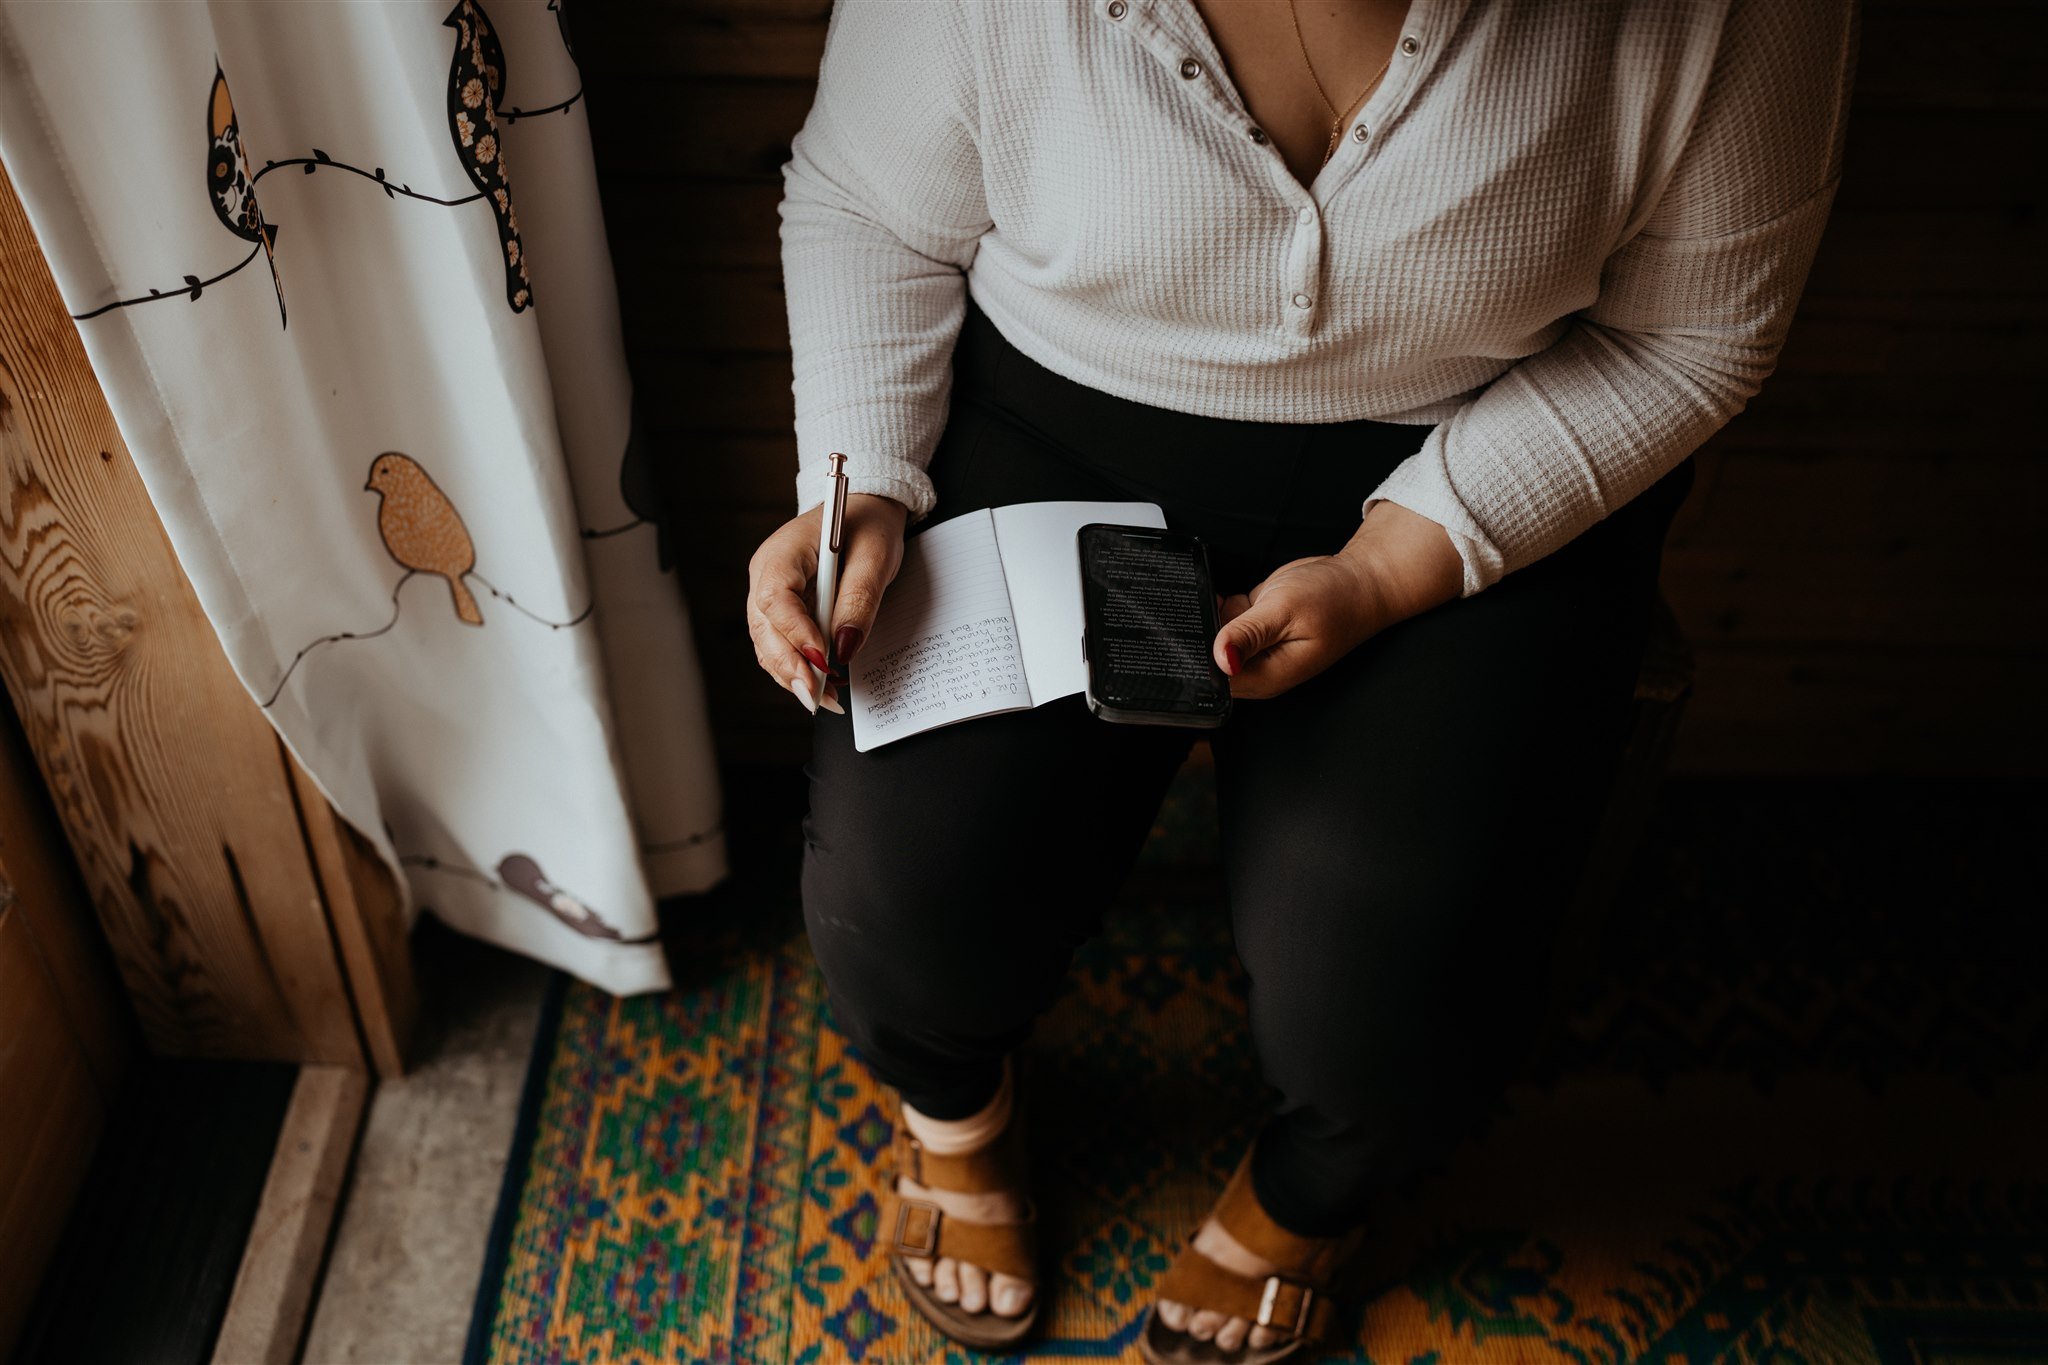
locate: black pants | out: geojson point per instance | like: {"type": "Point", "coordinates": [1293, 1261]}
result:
{"type": "Point", "coordinates": [1400, 832]}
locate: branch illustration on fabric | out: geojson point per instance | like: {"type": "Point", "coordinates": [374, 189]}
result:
{"type": "Point", "coordinates": [521, 874]}
{"type": "Point", "coordinates": [476, 82]}
{"type": "Point", "coordinates": [424, 533]}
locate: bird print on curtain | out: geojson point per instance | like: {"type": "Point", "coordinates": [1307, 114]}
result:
{"type": "Point", "coordinates": [422, 529]}
{"type": "Point", "coordinates": [414, 497]}
{"type": "Point", "coordinates": [476, 82]}
{"type": "Point", "coordinates": [232, 190]}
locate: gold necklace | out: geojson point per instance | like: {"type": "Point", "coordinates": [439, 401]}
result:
{"type": "Point", "coordinates": [1336, 119]}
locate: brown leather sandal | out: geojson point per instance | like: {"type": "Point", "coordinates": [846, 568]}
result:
{"type": "Point", "coordinates": [1293, 1301]}
{"type": "Point", "coordinates": [919, 1227]}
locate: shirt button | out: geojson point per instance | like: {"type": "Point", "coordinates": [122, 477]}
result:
{"type": "Point", "coordinates": [1359, 134]}
{"type": "Point", "coordinates": [1189, 68]}
{"type": "Point", "coordinates": [1258, 135]}
{"type": "Point", "coordinates": [1307, 214]}
{"type": "Point", "coordinates": [1116, 9]}
{"type": "Point", "coordinates": [1302, 300]}
{"type": "Point", "coordinates": [1409, 45]}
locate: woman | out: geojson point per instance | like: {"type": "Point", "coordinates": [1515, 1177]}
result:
{"type": "Point", "coordinates": [1416, 316]}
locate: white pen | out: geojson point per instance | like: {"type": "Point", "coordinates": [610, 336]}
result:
{"type": "Point", "coordinates": [831, 537]}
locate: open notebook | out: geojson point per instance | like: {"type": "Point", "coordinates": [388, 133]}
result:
{"type": "Point", "coordinates": [984, 616]}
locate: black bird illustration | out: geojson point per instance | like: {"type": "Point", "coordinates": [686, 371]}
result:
{"type": "Point", "coordinates": [476, 86]}
{"type": "Point", "coordinates": [523, 875]}
{"type": "Point", "coordinates": [228, 182]}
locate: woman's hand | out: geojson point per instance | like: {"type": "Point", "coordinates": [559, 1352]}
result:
{"type": "Point", "coordinates": [782, 591]}
{"type": "Point", "coordinates": [1309, 613]}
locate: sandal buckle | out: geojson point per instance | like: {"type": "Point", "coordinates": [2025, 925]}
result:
{"type": "Point", "coordinates": [928, 1244]}
{"type": "Point", "coordinates": [909, 1153]}
{"type": "Point", "coordinates": [1271, 1297]}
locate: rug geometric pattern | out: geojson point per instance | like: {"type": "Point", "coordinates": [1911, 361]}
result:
{"type": "Point", "coordinates": [1700, 1169]}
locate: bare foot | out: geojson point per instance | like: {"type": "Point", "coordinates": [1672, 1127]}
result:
{"type": "Point", "coordinates": [962, 1282]}
{"type": "Point", "coordinates": [1228, 1333]}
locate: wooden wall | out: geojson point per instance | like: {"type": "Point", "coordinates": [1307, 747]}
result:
{"type": "Point", "coordinates": [1858, 566]}
{"type": "Point", "coordinates": [65, 1034]}
{"type": "Point", "coordinates": [244, 917]}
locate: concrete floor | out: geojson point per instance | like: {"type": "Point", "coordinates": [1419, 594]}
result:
{"type": "Point", "coordinates": [402, 1275]}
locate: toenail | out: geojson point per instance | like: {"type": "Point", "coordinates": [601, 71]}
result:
{"type": "Point", "coordinates": [1008, 1299]}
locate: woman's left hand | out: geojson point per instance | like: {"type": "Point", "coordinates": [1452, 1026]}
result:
{"type": "Point", "coordinates": [1309, 613]}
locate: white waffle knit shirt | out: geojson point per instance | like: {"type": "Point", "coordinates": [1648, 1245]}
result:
{"type": "Point", "coordinates": [1568, 233]}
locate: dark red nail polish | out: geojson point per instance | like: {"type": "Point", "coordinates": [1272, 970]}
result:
{"type": "Point", "coordinates": [845, 641]}
{"type": "Point", "coordinates": [1230, 659]}
{"type": "Point", "coordinates": [817, 659]}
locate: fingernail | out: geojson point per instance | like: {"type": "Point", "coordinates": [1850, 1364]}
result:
{"type": "Point", "coordinates": [803, 694]}
{"type": "Point", "coordinates": [845, 641]}
{"type": "Point", "coordinates": [816, 657]}
{"type": "Point", "coordinates": [831, 703]}
{"type": "Point", "coordinates": [1231, 663]}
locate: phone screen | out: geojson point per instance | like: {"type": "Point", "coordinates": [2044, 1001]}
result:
{"type": "Point", "coordinates": [1150, 616]}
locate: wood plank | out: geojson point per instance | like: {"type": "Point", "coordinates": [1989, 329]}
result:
{"type": "Point", "coordinates": [268, 1311]}
{"type": "Point", "coordinates": [735, 44]}
{"type": "Point", "coordinates": [363, 906]}
{"type": "Point", "coordinates": [1908, 249]}
{"type": "Point", "coordinates": [745, 394]}
{"type": "Point", "coordinates": [1925, 58]}
{"type": "Point", "coordinates": [1879, 505]}
{"type": "Point", "coordinates": [716, 126]}
{"type": "Point", "coordinates": [164, 1213]}
{"type": "Point", "coordinates": [1962, 158]}
{"type": "Point", "coordinates": [1809, 711]}
{"type": "Point", "coordinates": [46, 1143]}
{"type": "Point", "coordinates": [1942, 57]}
{"type": "Point", "coordinates": [681, 222]}
{"type": "Point", "coordinates": [162, 769]}
{"type": "Point", "coordinates": [56, 912]}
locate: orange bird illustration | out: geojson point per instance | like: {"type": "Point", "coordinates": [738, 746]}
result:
{"type": "Point", "coordinates": [422, 529]}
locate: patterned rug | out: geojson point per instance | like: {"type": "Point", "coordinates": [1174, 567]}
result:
{"type": "Point", "coordinates": [1798, 1116]}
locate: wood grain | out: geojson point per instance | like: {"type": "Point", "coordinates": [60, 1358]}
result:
{"type": "Point", "coordinates": [161, 768]}
{"type": "Point", "coordinates": [369, 925]}
{"type": "Point", "coordinates": [273, 1294]}
{"type": "Point", "coordinates": [56, 912]}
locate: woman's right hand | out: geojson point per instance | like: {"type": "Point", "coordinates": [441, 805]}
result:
{"type": "Point", "coordinates": [782, 589]}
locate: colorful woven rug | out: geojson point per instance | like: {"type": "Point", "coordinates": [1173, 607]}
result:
{"type": "Point", "coordinates": [1832, 1154]}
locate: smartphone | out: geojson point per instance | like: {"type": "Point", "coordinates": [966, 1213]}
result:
{"type": "Point", "coordinates": [1148, 620]}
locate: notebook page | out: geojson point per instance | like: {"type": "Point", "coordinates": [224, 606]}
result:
{"type": "Point", "coordinates": [1043, 567]}
{"type": "Point", "coordinates": [944, 644]}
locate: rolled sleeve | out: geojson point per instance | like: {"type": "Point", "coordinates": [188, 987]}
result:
{"type": "Point", "coordinates": [1692, 311]}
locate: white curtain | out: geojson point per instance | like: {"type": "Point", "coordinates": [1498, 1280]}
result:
{"type": "Point", "coordinates": [341, 270]}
